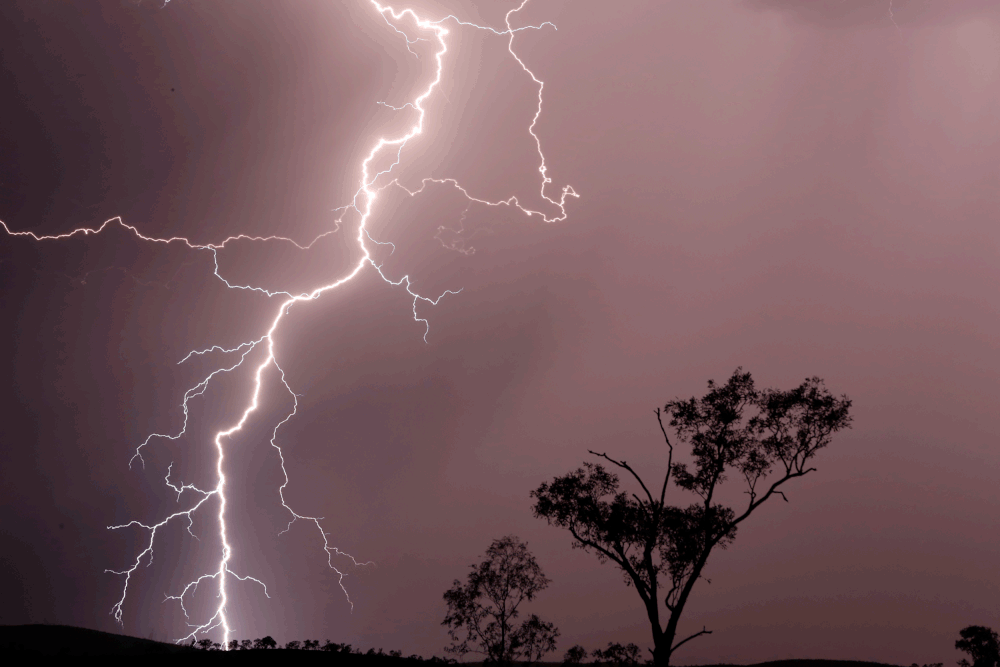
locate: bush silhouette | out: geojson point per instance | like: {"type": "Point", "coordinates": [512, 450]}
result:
{"type": "Point", "coordinates": [618, 655]}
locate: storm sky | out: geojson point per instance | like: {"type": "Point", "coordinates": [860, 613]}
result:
{"type": "Point", "coordinates": [795, 188]}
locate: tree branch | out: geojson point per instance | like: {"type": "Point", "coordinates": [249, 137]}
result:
{"type": "Point", "coordinates": [684, 641]}
{"type": "Point", "coordinates": [670, 593]}
{"type": "Point", "coordinates": [770, 492]}
{"type": "Point", "coordinates": [622, 464]}
{"type": "Point", "coordinates": [670, 455]}
{"type": "Point", "coordinates": [622, 562]}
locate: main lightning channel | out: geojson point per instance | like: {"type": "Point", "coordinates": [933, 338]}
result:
{"type": "Point", "coordinates": [362, 203]}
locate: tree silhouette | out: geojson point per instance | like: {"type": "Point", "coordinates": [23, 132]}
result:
{"type": "Point", "coordinates": [982, 645]}
{"type": "Point", "coordinates": [766, 437]}
{"type": "Point", "coordinates": [575, 655]}
{"type": "Point", "coordinates": [343, 649]}
{"type": "Point", "coordinates": [618, 655]}
{"type": "Point", "coordinates": [534, 639]}
{"type": "Point", "coordinates": [481, 612]}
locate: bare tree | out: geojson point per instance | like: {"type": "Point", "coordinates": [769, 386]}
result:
{"type": "Point", "coordinates": [482, 611]}
{"type": "Point", "coordinates": [764, 437]}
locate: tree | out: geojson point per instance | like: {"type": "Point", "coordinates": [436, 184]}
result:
{"type": "Point", "coordinates": [982, 644]}
{"type": "Point", "coordinates": [534, 639]}
{"type": "Point", "coordinates": [575, 655]}
{"type": "Point", "coordinates": [764, 437]}
{"type": "Point", "coordinates": [482, 611]}
{"type": "Point", "coordinates": [618, 655]}
{"type": "Point", "coordinates": [343, 649]}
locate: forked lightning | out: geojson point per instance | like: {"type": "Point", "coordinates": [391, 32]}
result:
{"type": "Point", "coordinates": [370, 186]}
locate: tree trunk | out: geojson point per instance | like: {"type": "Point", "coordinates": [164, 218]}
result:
{"type": "Point", "coordinates": [661, 642]}
{"type": "Point", "coordinates": [661, 650]}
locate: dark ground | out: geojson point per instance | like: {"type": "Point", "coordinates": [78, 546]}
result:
{"type": "Point", "coordinates": [61, 640]}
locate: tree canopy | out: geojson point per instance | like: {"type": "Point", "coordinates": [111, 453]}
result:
{"type": "Point", "coordinates": [982, 644]}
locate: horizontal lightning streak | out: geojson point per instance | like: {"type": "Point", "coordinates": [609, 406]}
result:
{"type": "Point", "coordinates": [362, 203]}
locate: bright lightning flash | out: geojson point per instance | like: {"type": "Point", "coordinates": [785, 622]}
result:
{"type": "Point", "coordinates": [362, 202]}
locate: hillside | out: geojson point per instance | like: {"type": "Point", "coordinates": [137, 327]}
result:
{"type": "Point", "coordinates": [62, 640]}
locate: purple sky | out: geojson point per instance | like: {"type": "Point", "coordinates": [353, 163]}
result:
{"type": "Point", "coordinates": [797, 188]}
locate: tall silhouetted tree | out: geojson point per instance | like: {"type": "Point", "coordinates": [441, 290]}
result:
{"type": "Point", "coordinates": [763, 437]}
{"type": "Point", "coordinates": [482, 611]}
{"type": "Point", "coordinates": [982, 645]}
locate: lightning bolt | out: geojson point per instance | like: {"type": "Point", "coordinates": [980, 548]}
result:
{"type": "Point", "coordinates": [372, 183]}
{"type": "Point", "coordinates": [892, 17]}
